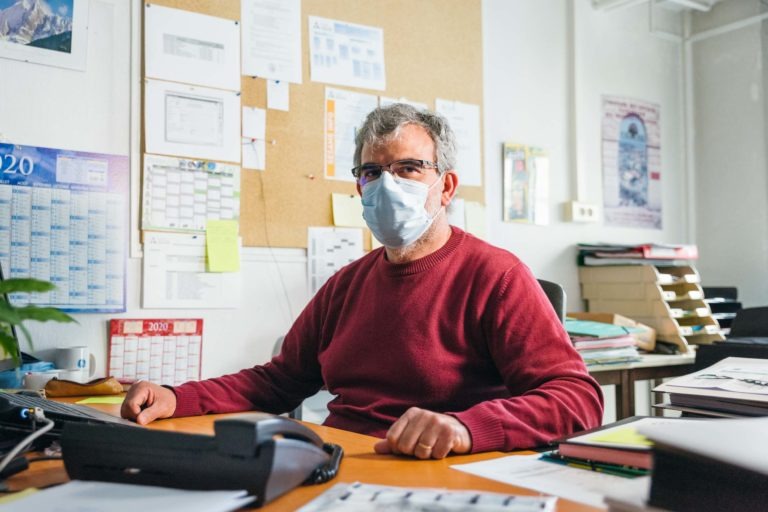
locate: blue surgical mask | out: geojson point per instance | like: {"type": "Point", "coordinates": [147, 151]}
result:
{"type": "Point", "coordinates": [394, 210]}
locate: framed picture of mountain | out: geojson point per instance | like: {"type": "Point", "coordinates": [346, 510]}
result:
{"type": "Point", "coordinates": [48, 32]}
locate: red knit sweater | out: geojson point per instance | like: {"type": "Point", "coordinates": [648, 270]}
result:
{"type": "Point", "coordinates": [465, 330]}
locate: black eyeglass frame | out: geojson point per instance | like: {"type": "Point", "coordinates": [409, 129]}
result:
{"type": "Point", "coordinates": [424, 164]}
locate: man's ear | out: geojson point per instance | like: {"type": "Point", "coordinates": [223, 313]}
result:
{"type": "Point", "coordinates": [450, 185]}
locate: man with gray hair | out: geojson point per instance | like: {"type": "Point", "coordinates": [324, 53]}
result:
{"type": "Point", "coordinates": [437, 342]}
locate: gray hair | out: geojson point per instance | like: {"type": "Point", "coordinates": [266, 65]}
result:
{"type": "Point", "coordinates": [385, 122]}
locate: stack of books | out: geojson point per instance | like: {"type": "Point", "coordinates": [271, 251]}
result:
{"type": "Point", "coordinates": [601, 343]}
{"type": "Point", "coordinates": [732, 387]}
{"type": "Point", "coordinates": [642, 254]}
{"type": "Point", "coordinates": [617, 448]}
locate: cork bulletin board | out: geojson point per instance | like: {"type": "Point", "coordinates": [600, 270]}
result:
{"type": "Point", "coordinates": [432, 49]}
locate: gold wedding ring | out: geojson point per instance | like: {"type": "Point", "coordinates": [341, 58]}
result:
{"type": "Point", "coordinates": [424, 447]}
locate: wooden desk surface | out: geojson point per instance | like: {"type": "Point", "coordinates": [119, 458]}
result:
{"type": "Point", "coordinates": [360, 464]}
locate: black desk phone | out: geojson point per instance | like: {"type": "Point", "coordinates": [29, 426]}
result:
{"type": "Point", "coordinates": [265, 454]}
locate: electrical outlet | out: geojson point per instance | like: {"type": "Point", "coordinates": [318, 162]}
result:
{"type": "Point", "coordinates": [576, 211]}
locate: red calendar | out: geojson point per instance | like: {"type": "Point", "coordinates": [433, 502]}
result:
{"type": "Point", "coordinates": [161, 351]}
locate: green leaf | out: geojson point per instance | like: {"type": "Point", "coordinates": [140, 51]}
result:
{"type": "Point", "coordinates": [41, 314]}
{"type": "Point", "coordinates": [8, 345]}
{"type": "Point", "coordinates": [25, 285]}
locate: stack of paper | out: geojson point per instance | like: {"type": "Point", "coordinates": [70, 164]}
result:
{"type": "Point", "coordinates": [602, 343]}
{"type": "Point", "coordinates": [735, 386]}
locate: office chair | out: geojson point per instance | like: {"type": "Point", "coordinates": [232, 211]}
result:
{"type": "Point", "coordinates": [750, 323]}
{"type": "Point", "coordinates": [556, 295]}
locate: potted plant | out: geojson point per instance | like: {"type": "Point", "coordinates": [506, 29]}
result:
{"type": "Point", "coordinates": [12, 316]}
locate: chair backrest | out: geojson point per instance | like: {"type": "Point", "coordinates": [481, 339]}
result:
{"type": "Point", "coordinates": [750, 322]}
{"type": "Point", "coordinates": [556, 295]}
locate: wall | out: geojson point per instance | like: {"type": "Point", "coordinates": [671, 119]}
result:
{"type": "Point", "coordinates": [527, 47]}
{"type": "Point", "coordinates": [730, 147]}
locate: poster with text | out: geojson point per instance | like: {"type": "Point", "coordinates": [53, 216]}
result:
{"type": "Point", "coordinates": [632, 190]}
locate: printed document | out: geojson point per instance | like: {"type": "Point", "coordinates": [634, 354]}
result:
{"type": "Point", "coordinates": [272, 39]}
{"type": "Point", "coordinates": [464, 118]}
{"type": "Point", "coordinates": [345, 112]}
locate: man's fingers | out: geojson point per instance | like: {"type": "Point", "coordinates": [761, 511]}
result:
{"type": "Point", "coordinates": [382, 447]}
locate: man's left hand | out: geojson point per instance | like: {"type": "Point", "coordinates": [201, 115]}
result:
{"type": "Point", "coordinates": [425, 435]}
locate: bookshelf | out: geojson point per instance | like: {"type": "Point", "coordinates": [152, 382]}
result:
{"type": "Point", "coordinates": [669, 299]}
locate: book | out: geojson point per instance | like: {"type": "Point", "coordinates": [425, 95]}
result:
{"type": "Point", "coordinates": [719, 465]}
{"type": "Point", "coordinates": [617, 443]}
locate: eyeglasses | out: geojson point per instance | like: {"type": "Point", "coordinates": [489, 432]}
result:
{"type": "Point", "coordinates": [409, 169]}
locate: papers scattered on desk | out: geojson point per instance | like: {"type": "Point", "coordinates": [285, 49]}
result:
{"type": "Point", "coordinates": [359, 497]}
{"type": "Point", "coordinates": [575, 484]}
{"type": "Point", "coordinates": [79, 496]}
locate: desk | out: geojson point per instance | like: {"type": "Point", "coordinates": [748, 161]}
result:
{"type": "Point", "coordinates": [650, 367]}
{"type": "Point", "coordinates": [360, 464]}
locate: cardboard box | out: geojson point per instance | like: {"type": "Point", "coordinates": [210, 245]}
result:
{"type": "Point", "coordinates": [646, 339]}
{"type": "Point", "coordinates": [638, 274]}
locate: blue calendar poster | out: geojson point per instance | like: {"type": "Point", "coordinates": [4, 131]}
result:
{"type": "Point", "coordinates": [63, 219]}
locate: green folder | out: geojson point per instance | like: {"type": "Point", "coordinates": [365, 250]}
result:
{"type": "Point", "coordinates": [596, 329]}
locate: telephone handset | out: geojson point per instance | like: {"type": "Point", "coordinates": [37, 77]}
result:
{"type": "Point", "coordinates": [265, 454]}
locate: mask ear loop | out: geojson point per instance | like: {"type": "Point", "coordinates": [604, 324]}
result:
{"type": "Point", "coordinates": [441, 207]}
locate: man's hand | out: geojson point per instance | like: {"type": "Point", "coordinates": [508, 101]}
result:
{"type": "Point", "coordinates": [147, 402]}
{"type": "Point", "coordinates": [425, 435]}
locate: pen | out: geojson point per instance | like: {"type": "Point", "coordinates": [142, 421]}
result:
{"type": "Point", "coordinates": [599, 467]}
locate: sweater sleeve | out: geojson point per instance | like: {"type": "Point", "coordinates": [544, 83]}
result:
{"type": "Point", "coordinates": [275, 387]}
{"type": "Point", "coordinates": [551, 394]}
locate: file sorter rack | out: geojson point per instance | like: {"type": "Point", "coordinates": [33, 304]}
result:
{"type": "Point", "coordinates": [669, 299]}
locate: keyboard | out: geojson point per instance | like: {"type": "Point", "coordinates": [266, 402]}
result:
{"type": "Point", "coordinates": [60, 413]}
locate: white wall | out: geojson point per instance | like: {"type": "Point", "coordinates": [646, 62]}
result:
{"type": "Point", "coordinates": [527, 91]}
{"type": "Point", "coordinates": [730, 147]}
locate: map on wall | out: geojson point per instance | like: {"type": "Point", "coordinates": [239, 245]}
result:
{"type": "Point", "coordinates": [631, 163]}
{"type": "Point", "coordinates": [63, 219]}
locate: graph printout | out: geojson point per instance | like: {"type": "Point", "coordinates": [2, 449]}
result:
{"type": "Point", "coordinates": [161, 351]}
{"type": "Point", "coordinates": [63, 219]}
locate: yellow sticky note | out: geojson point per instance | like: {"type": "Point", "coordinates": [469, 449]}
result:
{"type": "Point", "coordinates": [101, 400]}
{"type": "Point", "coordinates": [347, 211]}
{"type": "Point", "coordinates": [221, 246]}
{"type": "Point", "coordinates": [627, 436]}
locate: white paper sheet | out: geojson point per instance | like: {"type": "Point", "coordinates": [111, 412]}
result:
{"type": "Point", "coordinates": [197, 122]}
{"type": "Point", "coordinates": [174, 275]}
{"type": "Point", "coordinates": [464, 119]}
{"type": "Point", "coordinates": [344, 53]}
{"type": "Point", "coordinates": [345, 112]}
{"type": "Point", "coordinates": [254, 123]}
{"type": "Point", "coordinates": [272, 39]}
{"type": "Point", "coordinates": [254, 154]}
{"type": "Point", "coordinates": [183, 46]}
{"type": "Point", "coordinates": [78, 496]}
{"type": "Point", "coordinates": [384, 101]}
{"type": "Point", "coordinates": [575, 484]}
{"type": "Point", "coordinates": [278, 95]}
{"type": "Point", "coordinates": [329, 249]}
{"type": "Point", "coordinates": [361, 497]}
{"type": "Point", "coordinates": [181, 194]}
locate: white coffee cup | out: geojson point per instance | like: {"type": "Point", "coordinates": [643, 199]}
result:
{"type": "Point", "coordinates": [38, 380]}
{"type": "Point", "coordinates": [75, 358]}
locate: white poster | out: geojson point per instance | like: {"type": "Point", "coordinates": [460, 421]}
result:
{"type": "Point", "coordinates": [174, 275]}
{"type": "Point", "coordinates": [345, 112]}
{"type": "Point", "coordinates": [344, 53]}
{"type": "Point", "coordinates": [197, 122]}
{"type": "Point", "coordinates": [631, 163]}
{"type": "Point", "coordinates": [52, 35]}
{"type": "Point", "coordinates": [526, 184]}
{"type": "Point", "coordinates": [464, 119]}
{"type": "Point", "coordinates": [272, 39]}
{"type": "Point", "coordinates": [183, 46]}
{"type": "Point", "coordinates": [329, 249]}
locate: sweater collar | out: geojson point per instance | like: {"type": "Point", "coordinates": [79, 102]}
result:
{"type": "Point", "coordinates": [427, 262]}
